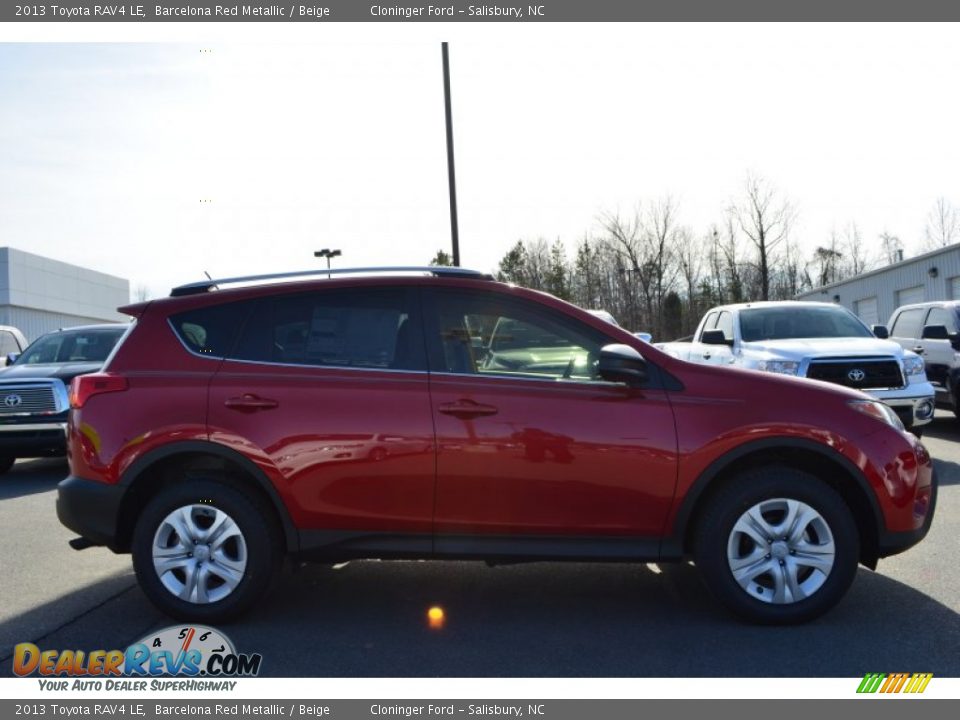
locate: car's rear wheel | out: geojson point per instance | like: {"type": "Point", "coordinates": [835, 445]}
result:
{"type": "Point", "coordinates": [6, 462]}
{"type": "Point", "coordinates": [777, 546]}
{"type": "Point", "coordinates": [204, 552]}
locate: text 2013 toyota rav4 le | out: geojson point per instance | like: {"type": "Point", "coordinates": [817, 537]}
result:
{"type": "Point", "coordinates": [440, 414]}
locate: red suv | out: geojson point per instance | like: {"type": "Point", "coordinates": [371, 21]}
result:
{"type": "Point", "coordinates": [439, 414]}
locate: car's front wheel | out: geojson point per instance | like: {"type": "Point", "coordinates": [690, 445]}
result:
{"type": "Point", "coordinates": [777, 546]}
{"type": "Point", "coordinates": [204, 552]}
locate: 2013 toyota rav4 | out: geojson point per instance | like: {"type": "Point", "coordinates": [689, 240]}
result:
{"type": "Point", "coordinates": [440, 414]}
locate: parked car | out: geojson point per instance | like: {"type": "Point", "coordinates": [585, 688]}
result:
{"type": "Point", "coordinates": [12, 343]}
{"type": "Point", "coordinates": [231, 427]}
{"type": "Point", "coordinates": [33, 389]}
{"type": "Point", "coordinates": [931, 330]}
{"type": "Point", "coordinates": [821, 341]}
{"type": "Point", "coordinates": [604, 315]}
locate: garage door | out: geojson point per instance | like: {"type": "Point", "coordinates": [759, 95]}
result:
{"type": "Point", "coordinates": [867, 311]}
{"type": "Point", "coordinates": [955, 288]}
{"type": "Point", "coordinates": [910, 296]}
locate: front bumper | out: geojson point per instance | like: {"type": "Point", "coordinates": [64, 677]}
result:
{"type": "Point", "coordinates": [33, 439]}
{"type": "Point", "coordinates": [893, 543]}
{"type": "Point", "coordinates": [91, 509]}
{"type": "Point", "coordinates": [912, 411]}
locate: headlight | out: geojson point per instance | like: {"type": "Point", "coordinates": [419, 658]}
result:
{"type": "Point", "coordinates": [913, 365]}
{"type": "Point", "coordinates": [878, 410]}
{"type": "Point", "coordinates": [783, 367]}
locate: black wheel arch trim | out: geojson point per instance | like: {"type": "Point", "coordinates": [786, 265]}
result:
{"type": "Point", "coordinates": [183, 447]}
{"type": "Point", "coordinates": [673, 544]}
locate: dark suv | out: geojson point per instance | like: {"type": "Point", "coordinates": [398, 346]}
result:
{"type": "Point", "coordinates": [435, 413]}
{"type": "Point", "coordinates": [33, 389]}
{"type": "Point", "coordinates": [931, 330]}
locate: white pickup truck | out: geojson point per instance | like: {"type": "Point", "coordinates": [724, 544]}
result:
{"type": "Point", "coordinates": [821, 341]}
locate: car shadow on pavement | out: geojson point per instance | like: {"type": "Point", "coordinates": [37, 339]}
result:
{"type": "Point", "coordinates": [29, 477]}
{"type": "Point", "coordinates": [577, 620]}
{"type": "Point", "coordinates": [369, 619]}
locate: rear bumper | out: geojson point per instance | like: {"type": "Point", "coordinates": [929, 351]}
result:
{"type": "Point", "coordinates": [91, 509]}
{"type": "Point", "coordinates": [26, 440]}
{"type": "Point", "coordinates": [893, 543]}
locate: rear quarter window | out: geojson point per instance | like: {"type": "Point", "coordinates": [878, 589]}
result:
{"type": "Point", "coordinates": [210, 331]}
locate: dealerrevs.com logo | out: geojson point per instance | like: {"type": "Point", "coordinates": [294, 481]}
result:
{"type": "Point", "coordinates": [191, 651]}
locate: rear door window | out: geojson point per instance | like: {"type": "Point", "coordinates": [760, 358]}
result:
{"type": "Point", "coordinates": [942, 316]}
{"type": "Point", "coordinates": [373, 329]}
{"type": "Point", "coordinates": [908, 323]}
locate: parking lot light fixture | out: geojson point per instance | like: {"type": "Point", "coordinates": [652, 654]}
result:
{"type": "Point", "coordinates": [327, 253]}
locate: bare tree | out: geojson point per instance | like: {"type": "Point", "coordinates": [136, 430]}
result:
{"type": "Point", "coordinates": [645, 244]}
{"type": "Point", "coordinates": [141, 293]}
{"type": "Point", "coordinates": [765, 218]}
{"type": "Point", "coordinates": [891, 247]}
{"type": "Point", "coordinates": [853, 249]}
{"type": "Point", "coordinates": [828, 261]}
{"type": "Point", "coordinates": [943, 226]}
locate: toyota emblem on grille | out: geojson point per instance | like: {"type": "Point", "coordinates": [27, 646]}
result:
{"type": "Point", "coordinates": [12, 401]}
{"type": "Point", "coordinates": [856, 375]}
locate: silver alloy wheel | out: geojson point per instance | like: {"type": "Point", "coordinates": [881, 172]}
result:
{"type": "Point", "coordinates": [199, 553]}
{"type": "Point", "coordinates": [781, 551]}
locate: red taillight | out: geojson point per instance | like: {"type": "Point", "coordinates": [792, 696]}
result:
{"type": "Point", "coordinates": [85, 387]}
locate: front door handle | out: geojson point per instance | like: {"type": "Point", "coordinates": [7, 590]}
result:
{"type": "Point", "coordinates": [467, 409]}
{"type": "Point", "coordinates": [706, 356]}
{"type": "Point", "coordinates": [250, 403]}
{"type": "Point", "coordinates": [919, 350]}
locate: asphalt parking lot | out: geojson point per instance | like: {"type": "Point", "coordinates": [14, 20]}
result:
{"type": "Point", "coordinates": [546, 619]}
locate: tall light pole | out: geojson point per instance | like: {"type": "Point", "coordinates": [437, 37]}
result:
{"type": "Point", "coordinates": [451, 173]}
{"type": "Point", "coordinates": [327, 253]}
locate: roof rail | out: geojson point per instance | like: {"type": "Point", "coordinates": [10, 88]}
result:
{"type": "Point", "coordinates": [203, 286]}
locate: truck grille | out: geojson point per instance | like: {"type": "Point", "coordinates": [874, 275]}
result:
{"type": "Point", "coordinates": [20, 400]}
{"type": "Point", "coordinates": [859, 373]}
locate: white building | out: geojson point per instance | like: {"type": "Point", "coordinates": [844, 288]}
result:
{"type": "Point", "coordinates": [874, 295]}
{"type": "Point", "coordinates": [38, 294]}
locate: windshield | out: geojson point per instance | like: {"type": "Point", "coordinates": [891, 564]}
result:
{"type": "Point", "coordinates": [785, 323]}
{"type": "Point", "coordinates": [72, 346]}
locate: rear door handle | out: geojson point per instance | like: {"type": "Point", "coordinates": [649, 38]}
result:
{"type": "Point", "coordinates": [467, 409]}
{"type": "Point", "coordinates": [706, 356]}
{"type": "Point", "coordinates": [919, 350]}
{"type": "Point", "coordinates": [250, 403]}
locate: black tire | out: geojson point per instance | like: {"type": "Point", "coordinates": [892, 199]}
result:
{"type": "Point", "coordinates": [716, 526]}
{"type": "Point", "coordinates": [6, 462]}
{"type": "Point", "coordinates": [259, 532]}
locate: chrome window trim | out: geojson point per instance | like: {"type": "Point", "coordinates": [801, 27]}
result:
{"type": "Point", "coordinates": [570, 382]}
{"type": "Point", "coordinates": [324, 367]}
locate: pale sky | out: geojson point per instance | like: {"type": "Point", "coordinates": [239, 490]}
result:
{"type": "Point", "coordinates": [106, 151]}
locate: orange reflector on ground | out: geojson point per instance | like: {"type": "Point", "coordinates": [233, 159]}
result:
{"type": "Point", "coordinates": [435, 617]}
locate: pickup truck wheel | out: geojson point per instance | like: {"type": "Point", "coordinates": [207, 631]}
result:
{"type": "Point", "coordinates": [204, 552]}
{"type": "Point", "coordinates": [777, 546]}
{"type": "Point", "coordinates": [6, 462]}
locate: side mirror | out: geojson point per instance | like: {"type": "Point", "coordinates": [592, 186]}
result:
{"type": "Point", "coordinates": [935, 332]}
{"type": "Point", "coordinates": [12, 358]}
{"type": "Point", "coordinates": [880, 331]}
{"type": "Point", "coordinates": [646, 337]}
{"type": "Point", "coordinates": [714, 337]}
{"type": "Point", "coordinates": [622, 364]}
